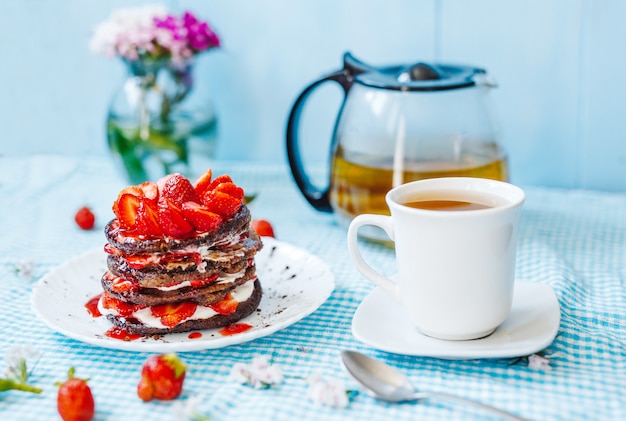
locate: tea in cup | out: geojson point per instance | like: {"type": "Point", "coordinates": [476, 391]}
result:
{"type": "Point", "coordinates": [455, 243]}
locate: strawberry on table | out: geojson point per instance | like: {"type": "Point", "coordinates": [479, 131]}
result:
{"type": "Point", "coordinates": [262, 227]}
{"type": "Point", "coordinates": [74, 399]}
{"type": "Point", "coordinates": [85, 218]}
{"type": "Point", "coordinates": [162, 377]}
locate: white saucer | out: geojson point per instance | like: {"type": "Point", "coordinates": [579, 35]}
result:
{"type": "Point", "coordinates": [531, 327]}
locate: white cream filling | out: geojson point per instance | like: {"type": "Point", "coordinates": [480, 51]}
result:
{"type": "Point", "coordinates": [239, 294]}
{"type": "Point", "coordinates": [228, 278]}
{"type": "Point", "coordinates": [206, 253]}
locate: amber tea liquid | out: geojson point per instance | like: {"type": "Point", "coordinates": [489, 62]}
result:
{"type": "Point", "coordinates": [358, 188]}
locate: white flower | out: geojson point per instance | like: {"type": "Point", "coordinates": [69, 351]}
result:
{"type": "Point", "coordinates": [259, 374]}
{"type": "Point", "coordinates": [25, 269]}
{"type": "Point", "coordinates": [126, 30]}
{"type": "Point", "coordinates": [16, 358]}
{"type": "Point", "coordinates": [185, 410]}
{"type": "Point", "coordinates": [539, 362]}
{"type": "Point", "coordinates": [330, 392]}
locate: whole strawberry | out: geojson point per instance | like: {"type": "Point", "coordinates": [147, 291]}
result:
{"type": "Point", "coordinates": [85, 218]}
{"type": "Point", "coordinates": [74, 399]}
{"type": "Point", "coordinates": [262, 227]}
{"type": "Point", "coordinates": [162, 377]}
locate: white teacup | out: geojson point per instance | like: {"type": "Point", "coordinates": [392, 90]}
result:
{"type": "Point", "coordinates": [455, 267]}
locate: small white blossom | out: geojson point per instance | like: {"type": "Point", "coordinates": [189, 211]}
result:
{"type": "Point", "coordinates": [16, 358]}
{"type": "Point", "coordinates": [330, 392]}
{"type": "Point", "coordinates": [25, 269]}
{"type": "Point", "coordinates": [126, 30]}
{"type": "Point", "coordinates": [259, 374]}
{"type": "Point", "coordinates": [539, 362]}
{"type": "Point", "coordinates": [185, 410]}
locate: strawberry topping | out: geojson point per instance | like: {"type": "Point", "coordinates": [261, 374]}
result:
{"type": "Point", "coordinates": [200, 217]}
{"type": "Point", "coordinates": [173, 207]}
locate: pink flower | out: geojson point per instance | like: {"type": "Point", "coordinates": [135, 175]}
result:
{"type": "Point", "coordinates": [150, 32]}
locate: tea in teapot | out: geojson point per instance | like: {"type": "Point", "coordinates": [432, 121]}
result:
{"type": "Point", "coordinates": [399, 124]}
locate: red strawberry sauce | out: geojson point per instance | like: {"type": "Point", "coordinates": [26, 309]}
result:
{"type": "Point", "coordinates": [92, 306]}
{"type": "Point", "coordinates": [235, 328]}
{"type": "Point", "coordinates": [194, 335]}
{"type": "Point", "coordinates": [121, 334]}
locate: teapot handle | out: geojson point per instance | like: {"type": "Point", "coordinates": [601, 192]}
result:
{"type": "Point", "coordinates": [318, 198]}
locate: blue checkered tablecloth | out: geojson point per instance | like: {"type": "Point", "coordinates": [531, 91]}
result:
{"type": "Point", "coordinates": [574, 241]}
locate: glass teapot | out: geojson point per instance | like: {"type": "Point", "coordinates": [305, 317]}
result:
{"type": "Point", "coordinates": [398, 124]}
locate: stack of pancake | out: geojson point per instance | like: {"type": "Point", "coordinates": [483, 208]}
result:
{"type": "Point", "coordinates": [163, 278]}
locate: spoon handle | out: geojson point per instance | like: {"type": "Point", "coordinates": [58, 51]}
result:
{"type": "Point", "coordinates": [504, 414]}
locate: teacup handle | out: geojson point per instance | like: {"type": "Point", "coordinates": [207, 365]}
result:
{"type": "Point", "coordinates": [385, 223]}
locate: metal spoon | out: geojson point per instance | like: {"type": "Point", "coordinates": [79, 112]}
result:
{"type": "Point", "coordinates": [388, 384]}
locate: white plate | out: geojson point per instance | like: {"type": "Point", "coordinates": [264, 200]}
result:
{"type": "Point", "coordinates": [295, 283]}
{"type": "Point", "coordinates": [531, 326]}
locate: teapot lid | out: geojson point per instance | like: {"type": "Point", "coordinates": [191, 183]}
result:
{"type": "Point", "coordinates": [416, 77]}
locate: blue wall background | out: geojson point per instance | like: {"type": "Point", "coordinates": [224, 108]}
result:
{"type": "Point", "coordinates": [560, 65]}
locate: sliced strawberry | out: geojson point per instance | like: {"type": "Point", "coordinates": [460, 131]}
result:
{"type": "Point", "coordinates": [177, 189]}
{"type": "Point", "coordinates": [203, 182]}
{"type": "Point", "coordinates": [150, 190]}
{"type": "Point", "coordinates": [200, 217]}
{"type": "Point", "coordinates": [221, 203]}
{"type": "Point", "coordinates": [147, 219]}
{"type": "Point", "coordinates": [134, 190]}
{"type": "Point", "coordinates": [172, 221]}
{"type": "Point", "coordinates": [122, 308]}
{"type": "Point", "coordinates": [127, 206]}
{"type": "Point", "coordinates": [120, 285]}
{"type": "Point", "coordinates": [139, 261]}
{"type": "Point", "coordinates": [228, 305]}
{"type": "Point", "coordinates": [231, 189]}
{"type": "Point", "coordinates": [174, 314]}
{"type": "Point", "coordinates": [110, 249]}
{"type": "Point", "coordinates": [189, 257]}
{"type": "Point", "coordinates": [197, 283]}
{"type": "Point", "coordinates": [219, 180]}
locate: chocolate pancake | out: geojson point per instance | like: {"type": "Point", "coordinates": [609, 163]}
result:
{"type": "Point", "coordinates": [237, 224]}
{"type": "Point", "coordinates": [204, 295]}
{"type": "Point", "coordinates": [159, 273]}
{"type": "Point", "coordinates": [244, 309]}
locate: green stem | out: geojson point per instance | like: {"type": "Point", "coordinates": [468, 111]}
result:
{"type": "Point", "coordinates": [6, 384]}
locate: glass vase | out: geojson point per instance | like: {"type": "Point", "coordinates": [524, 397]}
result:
{"type": "Point", "coordinates": [160, 122]}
